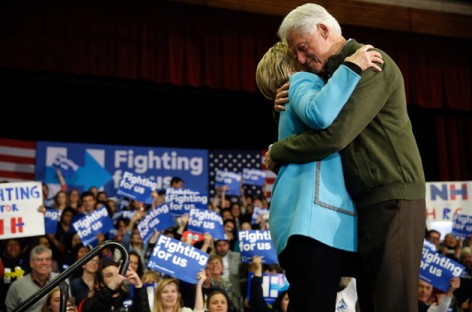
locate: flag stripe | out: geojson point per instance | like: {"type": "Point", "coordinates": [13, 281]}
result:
{"type": "Point", "coordinates": [16, 176]}
{"type": "Point", "coordinates": [270, 178]}
{"type": "Point", "coordinates": [18, 143]}
{"type": "Point", "coordinates": [9, 166]}
{"type": "Point", "coordinates": [17, 151]}
{"type": "Point", "coordinates": [17, 160]}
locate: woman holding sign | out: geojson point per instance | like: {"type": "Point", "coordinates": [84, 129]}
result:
{"type": "Point", "coordinates": [217, 300]}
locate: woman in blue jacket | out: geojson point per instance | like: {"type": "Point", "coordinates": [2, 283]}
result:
{"type": "Point", "coordinates": [310, 208]}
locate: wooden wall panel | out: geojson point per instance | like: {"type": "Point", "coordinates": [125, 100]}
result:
{"type": "Point", "coordinates": [358, 13]}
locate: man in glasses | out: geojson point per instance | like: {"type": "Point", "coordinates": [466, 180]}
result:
{"type": "Point", "coordinates": [41, 274]}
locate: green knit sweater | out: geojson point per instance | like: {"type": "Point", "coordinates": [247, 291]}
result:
{"type": "Point", "coordinates": [373, 133]}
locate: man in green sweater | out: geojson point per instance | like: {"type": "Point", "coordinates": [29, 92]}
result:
{"type": "Point", "coordinates": [381, 161]}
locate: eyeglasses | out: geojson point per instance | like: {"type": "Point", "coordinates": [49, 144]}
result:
{"type": "Point", "coordinates": [48, 259]}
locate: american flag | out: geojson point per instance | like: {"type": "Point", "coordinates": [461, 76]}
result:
{"type": "Point", "coordinates": [236, 161]}
{"type": "Point", "coordinates": [17, 160]}
{"type": "Point", "coordinates": [270, 178]}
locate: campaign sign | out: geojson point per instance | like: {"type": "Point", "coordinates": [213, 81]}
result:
{"type": "Point", "coordinates": [257, 212]}
{"type": "Point", "coordinates": [177, 259]}
{"type": "Point", "coordinates": [206, 221]}
{"type": "Point", "coordinates": [127, 214]}
{"type": "Point", "coordinates": [257, 243]}
{"type": "Point", "coordinates": [51, 219]}
{"type": "Point", "coordinates": [137, 187]}
{"type": "Point", "coordinates": [231, 179]}
{"type": "Point", "coordinates": [159, 218]}
{"type": "Point", "coordinates": [272, 285]}
{"type": "Point", "coordinates": [254, 177]}
{"type": "Point", "coordinates": [19, 215]}
{"type": "Point", "coordinates": [462, 225]}
{"type": "Point", "coordinates": [103, 166]}
{"type": "Point", "coordinates": [67, 166]}
{"type": "Point", "coordinates": [437, 269]}
{"type": "Point", "coordinates": [92, 224]}
{"type": "Point", "coordinates": [181, 201]}
{"type": "Point", "coordinates": [191, 237]}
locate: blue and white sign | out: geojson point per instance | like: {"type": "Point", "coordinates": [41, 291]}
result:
{"type": "Point", "coordinates": [272, 285]}
{"type": "Point", "coordinates": [462, 225]}
{"type": "Point", "coordinates": [159, 218]}
{"type": "Point", "coordinates": [127, 214]}
{"type": "Point", "coordinates": [257, 243]}
{"type": "Point", "coordinates": [51, 219]}
{"type": "Point", "coordinates": [67, 166]}
{"type": "Point", "coordinates": [181, 201]}
{"type": "Point", "coordinates": [437, 269]}
{"type": "Point", "coordinates": [92, 224]}
{"type": "Point", "coordinates": [206, 221]}
{"type": "Point", "coordinates": [177, 259]}
{"type": "Point", "coordinates": [231, 179]}
{"type": "Point", "coordinates": [254, 177]}
{"type": "Point", "coordinates": [103, 166]}
{"type": "Point", "coordinates": [258, 211]}
{"type": "Point", "coordinates": [136, 187]}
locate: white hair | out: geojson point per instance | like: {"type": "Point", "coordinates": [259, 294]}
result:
{"type": "Point", "coordinates": [304, 19]}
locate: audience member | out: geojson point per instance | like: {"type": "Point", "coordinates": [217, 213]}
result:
{"type": "Point", "coordinates": [426, 302]}
{"type": "Point", "coordinates": [86, 285]}
{"type": "Point", "coordinates": [53, 302]}
{"type": "Point", "coordinates": [176, 182]}
{"type": "Point", "coordinates": [216, 301]}
{"type": "Point", "coordinates": [232, 267]}
{"type": "Point", "coordinates": [451, 247]}
{"type": "Point", "coordinates": [22, 289]}
{"type": "Point", "coordinates": [14, 266]}
{"type": "Point", "coordinates": [434, 237]}
{"type": "Point", "coordinates": [74, 199]}
{"type": "Point", "coordinates": [136, 263]}
{"type": "Point", "coordinates": [257, 301]}
{"type": "Point", "coordinates": [168, 297]}
{"type": "Point", "coordinates": [113, 296]}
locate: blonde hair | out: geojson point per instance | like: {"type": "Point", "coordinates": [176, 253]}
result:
{"type": "Point", "coordinates": [274, 69]}
{"type": "Point", "coordinates": [151, 275]}
{"type": "Point", "coordinates": [47, 303]}
{"type": "Point", "coordinates": [157, 301]}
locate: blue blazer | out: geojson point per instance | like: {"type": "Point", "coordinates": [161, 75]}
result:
{"type": "Point", "coordinates": [311, 199]}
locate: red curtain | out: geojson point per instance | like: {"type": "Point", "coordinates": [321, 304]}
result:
{"type": "Point", "coordinates": [201, 47]}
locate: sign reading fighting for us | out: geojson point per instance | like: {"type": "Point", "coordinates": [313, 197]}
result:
{"type": "Point", "coordinates": [437, 269]}
{"type": "Point", "coordinates": [462, 225]}
{"type": "Point", "coordinates": [104, 166]}
{"type": "Point", "coordinates": [181, 201]}
{"type": "Point", "coordinates": [254, 177]}
{"type": "Point", "coordinates": [206, 221]}
{"type": "Point", "coordinates": [257, 243]}
{"type": "Point", "coordinates": [177, 259]}
{"type": "Point", "coordinates": [19, 214]}
{"type": "Point", "coordinates": [231, 179]}
{"type": "Point", "coordinates": [159, 218]}
{"type": "Point", "coordinates": [92, 224]}
{"type": "Point", "coordinates": [137, 187]}
{"type": "Point", "coordinates": [67, 166]}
